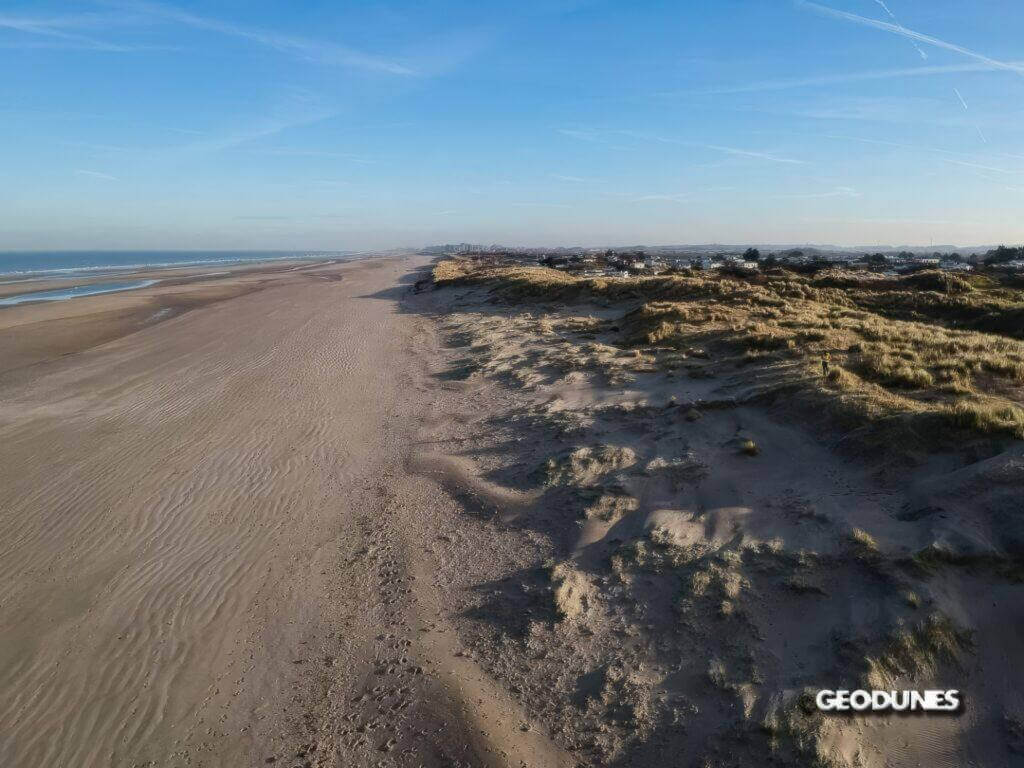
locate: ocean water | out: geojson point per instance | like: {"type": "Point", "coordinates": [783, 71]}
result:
{"type": "Point", "coordinates": [75, 291]}
{"type": "Point", "coordinates": [22, 264]}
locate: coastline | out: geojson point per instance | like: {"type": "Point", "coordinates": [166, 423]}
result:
{"type": "Point", "coordinates": [11, 284]}
{"type": "Point", "coordinates": [340, 516]}
{"type": "Point", "coordinates": [34, 332]}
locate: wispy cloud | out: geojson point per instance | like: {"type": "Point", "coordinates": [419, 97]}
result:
{"type": "Point", "coordinates": [95, 175]}
{"type": "Point", "coordinates": [328, 183]}
{"type": "Point", "coordinates": [680, 198]}
{"type": "Point", "coordinates": [259, 129]}
{"type": "Point", "coordinates": [899, 145]}
{"type": "Point", "coordinates": [836, 192]}
{"type": "Point", "coordinates": [758, 155]}
{"type": "Point", "coordinates": [999, 182]}
{"type": "Point", "coordinates": [65, 115]}
{"type": "Point", "coordinates": [945, 153]}
{"type": "Point", "coordinates": [539, 205]}
{"type": "Point", "coordinates": [600, 136]}
{"type": "Point", "coordinates": [877, 220]}
{"type": "Point", "coordinates": [63, 32]}
{"type": "Point", "coordinates": [883, 109]}
{"type": "Point", "coordinates": [445, 213]}
{"type": "Point", "coordinates": [979, 166]}
{"type": "Point", "coordinates": [583, 134]}
{"type": "Point", "coordinates": [103, 149]}
{"type": "Point", "coordinates": [897, 29]}
{"type": "Point", "coordinates": [574, 179]}
{"type": "Point", "coordinates": [83, 44]}
{"type": "Point", "coordinates": [324, 53]}
{"type": "Point", "coordinates": [296, 152]}
{"type": "Point", "coordinates": [593, 136]}
{"type": "Point", "coordinates": [840, 79]}
{"type": "Point", "coordinates": [735, 151]}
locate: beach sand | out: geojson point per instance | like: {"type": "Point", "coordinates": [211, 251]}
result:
{"type": "Point", "coordinates": [203, 561]}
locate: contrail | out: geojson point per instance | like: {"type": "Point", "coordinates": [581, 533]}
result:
{"type": "Point", "coordinates": [850, 77]}
{"type": "Point", "coordinates": [326, 53]}
{"type": "Point", "coordinates": [758, 155]}
{"type": "Point", "coordinates": [896, 29]}
{"type": "Point", "coordinates": [914, 147]}
{"type": "Point", "coordinates": [892, 16]}
{"type": "Point", "coordinates": [963, 103]}
{"type": "Point", "coordinates": [978, 127]}
{"type": "Point", "coordinates": [976, 165]}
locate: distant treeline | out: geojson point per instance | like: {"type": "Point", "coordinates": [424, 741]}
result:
{"type": "Point", "coordinates": [1003, 254]}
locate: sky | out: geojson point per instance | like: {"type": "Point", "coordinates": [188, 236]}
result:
{"type": "Point", "coordinates": [244, 124]}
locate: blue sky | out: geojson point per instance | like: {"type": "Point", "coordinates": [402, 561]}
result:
{"type": "Point", "coordinates": [366, 125]}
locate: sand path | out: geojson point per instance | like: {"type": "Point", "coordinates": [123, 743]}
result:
{"type": "Point", "coordinates": [209, 547]}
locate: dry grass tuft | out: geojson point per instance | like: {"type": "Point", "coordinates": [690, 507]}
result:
{"type": "Point", "coordinates": [913, 653]}
{"type": "Point", "coordinates": [573, 593]}
{"type": "Point", "coordinates": [798, 734]}
{"type": "Point", "coordinates": [863, 540]}
{"type": "Point", "coordinates": [450, 271]}
{"type": "Point", "coordinates": [679, 471]}
{"type": "Point", "coordinates": [584, 466]}
{"type": "Point", "coordinates": [612, 506]}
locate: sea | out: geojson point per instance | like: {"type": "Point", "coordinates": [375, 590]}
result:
{"type": "Point", "coordinates": [72, 266]}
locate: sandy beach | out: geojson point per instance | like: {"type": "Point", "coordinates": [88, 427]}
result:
{"type": "Point", "coordinates": [199, 567]}
{"type": "Point", "coordinates": [336, 515]}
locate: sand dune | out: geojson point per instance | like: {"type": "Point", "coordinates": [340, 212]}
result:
{"type": "Point", "coordinates": [704, 551]}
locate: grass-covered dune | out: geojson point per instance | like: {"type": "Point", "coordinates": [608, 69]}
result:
{"type": "Point", "coordinates": [749, 487]}
{"type": "Point", "coordinates": [929, 357]}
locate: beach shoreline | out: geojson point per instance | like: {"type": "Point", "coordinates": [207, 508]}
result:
{"type": "Point", "coordinates": [345, 515]}
{"type": "Point", "coordinates": [34, 332]}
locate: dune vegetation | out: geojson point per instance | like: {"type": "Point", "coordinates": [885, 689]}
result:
{"type": "Point", "coordinates": [750, 486]}
{"type": "Point", "coordinates": [928, 355]}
